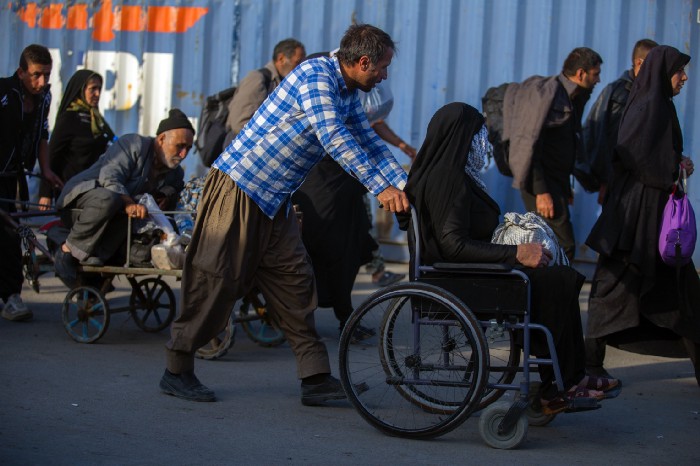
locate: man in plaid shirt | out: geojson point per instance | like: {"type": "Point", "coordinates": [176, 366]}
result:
{"type": "Point", "coordinates": [246, 234]}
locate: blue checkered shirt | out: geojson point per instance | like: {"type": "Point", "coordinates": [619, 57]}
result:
{"type": "Point", "coordinates": [310, 113]}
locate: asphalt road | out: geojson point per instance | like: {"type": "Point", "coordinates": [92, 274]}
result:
{"type": "Point", "coordinates": [65, 403]}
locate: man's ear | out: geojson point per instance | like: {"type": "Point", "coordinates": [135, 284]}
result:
{"type": "Point", "coordinates": [364, 62]}
{"type": "Point", "coordinates": [160, 139]}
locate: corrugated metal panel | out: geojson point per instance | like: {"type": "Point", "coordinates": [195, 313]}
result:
{"type": "Point", "coordinates": [161, 53]}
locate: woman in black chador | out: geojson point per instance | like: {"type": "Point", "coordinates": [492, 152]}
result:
{"type": "Point", "coordinates": [80, 134]}
{"type": "Point", "coordinates": [456, 221]}
{"type": "Point", "coordinates": [633, 290]}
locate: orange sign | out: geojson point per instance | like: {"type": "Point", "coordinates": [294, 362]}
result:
{"type": "Point", "coordinates": [107, 19]}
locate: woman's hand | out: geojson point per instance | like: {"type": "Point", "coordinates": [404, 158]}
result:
{"type": "Point", "coordinates": [688, 165]}
{"type": "Point", "coordinates": [533, 255]}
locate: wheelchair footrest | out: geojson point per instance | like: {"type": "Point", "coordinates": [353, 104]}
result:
{"type": "Point", "coordinates": [582, 404]}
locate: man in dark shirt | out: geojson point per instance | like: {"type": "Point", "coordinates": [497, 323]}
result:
{"type": "Point", "coordinates": [603, 121]}
{"type": "Point", "coordinates": [25, 98]}
{"type": "Point", "coordinates": [542, 118]}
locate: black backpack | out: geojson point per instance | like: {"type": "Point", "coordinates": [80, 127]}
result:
{"type": "Point", "coordinates": [211, 131]}
{"type": "Point", "coordinates": [492, 105]}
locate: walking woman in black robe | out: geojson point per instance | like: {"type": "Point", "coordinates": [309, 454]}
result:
{"type": "Point", "coordinates": [335, 231]}
{"type": "Point", "coordinates": [632, 287]}
{"type": "Point", "coordinates": [80, 134]}
{"type": "Point", "coordinates": [457, 219]}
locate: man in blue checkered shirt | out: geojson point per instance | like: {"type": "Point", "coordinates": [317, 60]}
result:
{"type": "Point", "coordinates": [246, 234]}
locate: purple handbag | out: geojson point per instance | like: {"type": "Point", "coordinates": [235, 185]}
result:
{"type": "Point", "coordinates": [678, 231]}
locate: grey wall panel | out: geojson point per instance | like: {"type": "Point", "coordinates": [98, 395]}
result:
{"type": "Point", "coordinates": [448, 50]}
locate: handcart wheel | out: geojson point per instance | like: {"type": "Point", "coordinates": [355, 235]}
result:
{"type": "Point", "coordinates": [219, 345]}
{"type": "Point", "coordinates": [534, 414]}
{"type": "Point", "coordinates": [489, 421]}
{"type": "Point", "coordinates": [85, 314]}
{"type": "Point", "coordinates": [152, 304]}
{"type": "Point", "coordinates": [263, 330]}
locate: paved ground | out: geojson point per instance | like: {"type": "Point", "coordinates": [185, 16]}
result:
{"type": "Point", "coordinates": [85, 404]}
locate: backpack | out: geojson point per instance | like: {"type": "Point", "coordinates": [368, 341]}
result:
{"type": "Point", "coordinates": [492, 105]}
{"type": "Point", "coordinates": [211, 131]}
{"type": "Point", "coordinates": [678, 230]}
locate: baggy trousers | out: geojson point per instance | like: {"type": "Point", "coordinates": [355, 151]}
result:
{"type": "Point", "coordinates": [98, 227]}
{"type": "Point", "coordinates": [236, 247]}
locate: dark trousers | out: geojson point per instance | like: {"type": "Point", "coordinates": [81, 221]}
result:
{"type": "Point", "coordinates": [235, 247]}
{"type": "Point", "coordinates": [561, 223]}
{"type": "Point", "coordinates": [98, 225]}
{"type": "Point", "coordinates": [11, 277]}
{"type": "Point", "coordinates": [554, 304]}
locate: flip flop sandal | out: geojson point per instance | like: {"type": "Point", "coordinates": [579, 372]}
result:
{"type": "Point", "coordinates": [602, 384]}
{"type": "Point", "coordinates": [576, 392]}
{"type": "Point", "coordinates": [556, 405]}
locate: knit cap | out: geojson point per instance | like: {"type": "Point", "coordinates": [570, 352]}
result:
{"type": "Point", "coordinates": [176, 119]}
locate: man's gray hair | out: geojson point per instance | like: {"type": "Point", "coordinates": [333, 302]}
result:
{"type": "Point", "coordinates": [287, 47]}
{"type": "Point", "coordinates": [363, 39]}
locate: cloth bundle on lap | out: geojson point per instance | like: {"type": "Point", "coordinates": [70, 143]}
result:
{"type": "Point", "coordinates": [529, 228]}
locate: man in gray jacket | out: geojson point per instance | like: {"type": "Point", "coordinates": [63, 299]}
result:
{"type": "Point", "coordinates": [542, 121]}
{"type": "Point", "coordinates": [258, 84]}
{"type": "Point", "coordinates": [106, 193]}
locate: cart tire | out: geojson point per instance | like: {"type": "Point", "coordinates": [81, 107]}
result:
{"type": "Point", "coordinates": [85, 314]}
{"type": "Point", "coordinates": [489, 420]}
{"type": "Point", "coordinates": [264, 331]}
{"type": "Point", "coordinates": [152, 304]}
{"type": "Point", "coordinates": [219, 345]}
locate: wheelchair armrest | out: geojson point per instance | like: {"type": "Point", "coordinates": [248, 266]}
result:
{"type": "Point", "coordinates": [473, 267]}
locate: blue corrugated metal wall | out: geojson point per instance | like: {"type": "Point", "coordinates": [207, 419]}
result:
{"type": "Point", "coordinates": [448, 50]}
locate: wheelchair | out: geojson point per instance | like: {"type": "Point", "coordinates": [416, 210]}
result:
{"type": "Point", "coordinates": [448, 344]}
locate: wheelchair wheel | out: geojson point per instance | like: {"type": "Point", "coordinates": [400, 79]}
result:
{"type": "Point", "coordinates": [425, 372]}
{"type": "Point", "coordinates": [489, 421]}
{"type": "Point", "coordinates": [258, 323]}
{"type": "Point", "coordinates": [219, 345]}
{"type": "Point", "coordinates": [152, 304]}
{"type": "Point", "coordinates": [504, 360]}
{"type": "Point", "coordinates": [85, 314]}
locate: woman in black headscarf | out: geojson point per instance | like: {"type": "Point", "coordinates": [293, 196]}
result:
{"type": "Point", "coordinates": [632, 288]}
{"type": "Point", "coordinates": [457, 219]}
{"type": "Point", "coordinates": [80, 134]}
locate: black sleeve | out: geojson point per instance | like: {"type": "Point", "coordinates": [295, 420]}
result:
{"type": "Point", "coordinates": [59, 145]}
{"type": "Point", "coordinates": [457, 245]}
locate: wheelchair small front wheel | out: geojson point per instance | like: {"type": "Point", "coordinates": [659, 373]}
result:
{"type": "Point", "coordinates": [489, 422]}
{"type": "Point", "coordinates": [534, 414]}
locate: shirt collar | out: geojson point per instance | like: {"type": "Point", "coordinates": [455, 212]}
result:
{"type": "Point", "coordinates": [569, 86]}
{"type": "Point", "coordinates": [341, 82]}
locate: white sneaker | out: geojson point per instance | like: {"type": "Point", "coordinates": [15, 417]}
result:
{"type": "Point", "coordinates": [15, 309]}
